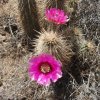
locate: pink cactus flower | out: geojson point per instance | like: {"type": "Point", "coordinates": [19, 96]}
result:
{"type": "Point", "coordinates": [56, 16]}
{"type": "Point", "coordinates": [45, 69]}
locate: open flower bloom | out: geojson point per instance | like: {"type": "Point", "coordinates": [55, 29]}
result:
{"type": "Point", "coordinates": [45, 69]}
{"type": "Point", "coordinates": [56, 16]}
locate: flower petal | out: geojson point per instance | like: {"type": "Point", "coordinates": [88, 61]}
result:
{"type": "Point", "coordinates": [38, 75]}
{"type": "Point", "coordinates": [56, 16]}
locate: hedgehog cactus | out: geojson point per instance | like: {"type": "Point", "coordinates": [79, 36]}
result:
{"type": "Point", "coordinates": [55, 44]}
{"type": "Point", "coordinates": [82, 43]}
{"type": "Point", "coordinates": [86, 48]}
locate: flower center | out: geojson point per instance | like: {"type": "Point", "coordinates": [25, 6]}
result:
{"type": "Point", "coordinates": [45, 68]}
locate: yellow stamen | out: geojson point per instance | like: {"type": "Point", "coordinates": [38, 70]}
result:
{"type": "Point", "coordinates": [45, 68]}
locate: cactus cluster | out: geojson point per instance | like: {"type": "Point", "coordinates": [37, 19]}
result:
{"type": "Point", "coordinates": [61, 39]}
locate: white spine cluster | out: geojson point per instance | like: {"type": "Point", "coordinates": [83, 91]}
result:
{"type": "Point", "coordinates": [55, 44]}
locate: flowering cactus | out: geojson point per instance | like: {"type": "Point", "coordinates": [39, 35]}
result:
{"type": "Point", "coordinates": [45, 69]}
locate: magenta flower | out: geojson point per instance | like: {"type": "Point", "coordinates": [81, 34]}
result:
{"type": "Point", "coordinates": [45, 69]}
{"type": "Point", "coordinates": [56, 16]}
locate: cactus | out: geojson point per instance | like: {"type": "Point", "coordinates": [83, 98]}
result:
{"type": "Point", "coordinates": [55, 44]}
